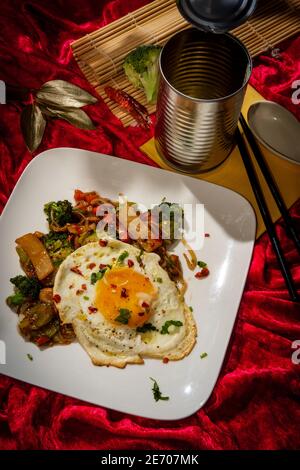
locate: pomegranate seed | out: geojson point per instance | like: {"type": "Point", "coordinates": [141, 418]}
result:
{"type": "Point", "coordinates": [145, 305]}
{"type": "Point", "coordinates": [130, 263]}
{"type": "Point", "coordinates": [93, 309]}
{"type": "Point", "coordinates": [103, 242]}
{"type": "Point", "coordinates": [102, 266]}
{"type": "Point", "coordinates": [166, 360]}
{"type": "Point", "coordinates": [57, 298]}
{"type": "Point", "coordinates": [83, 287]}
{"type": "Point", "coordinates": [76, 271]}
{"type": "Point", "coordinates": [124, 293]}
{"type": "Point", "coordinates": [91, 265]}
{"type": "Point", "coordinates": [42, 340]}
{"type": "Point", "coordinates": [203, 273]}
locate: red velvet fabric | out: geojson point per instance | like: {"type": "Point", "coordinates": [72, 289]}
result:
{"type": "Point", "coordinates": [256, 401]}
{"type": "Point", "coordinates": [278, 79]}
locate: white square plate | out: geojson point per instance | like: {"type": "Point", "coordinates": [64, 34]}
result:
{"type": "Point", "coordinates": [229, 219]}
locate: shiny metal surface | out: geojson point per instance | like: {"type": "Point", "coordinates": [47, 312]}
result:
{"type": "Point", "coordinates": [202, 87]}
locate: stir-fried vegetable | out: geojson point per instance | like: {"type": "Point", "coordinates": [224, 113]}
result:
{"type": "Point", "coordinates": [170, 218]}
{"type": "Point", "coordinates": [37, 254]}
{"type": "Point", "coordinates": [58, 213]}
{"type": "Point", "coordinates": [58, 245]}
{"type": "Point", "coordinates": [39, 323]}
{"type": "Point", "coordinates": [28, 287]}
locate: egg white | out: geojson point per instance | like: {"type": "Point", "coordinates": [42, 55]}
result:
{"type": "Point", "coordinates": [118, 345]}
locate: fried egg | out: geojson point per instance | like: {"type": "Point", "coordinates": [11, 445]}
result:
{"type": "Point", "coordinates": [122, 305]}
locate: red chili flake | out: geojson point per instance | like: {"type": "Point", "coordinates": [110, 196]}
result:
{"type": "Point", "coordinates": [83, 287]}
{"type": "Point", "coordinates": [141, 314]}
{"type": "Point", "coordinates": [207, 235]}
{"type": "Point", "coordinates": [42, 340]}
{"type": "Point", "coordinates": [130, 263]}
{"type": "Point", "coordinates": [76, 271]}
{"type": "Point", "coordinates": [113, 286]}
{"type": "Point", "coordinates": [103, 242]}
{"type": "Point", "coordinates": [93, 309]}
{"type": "Point", "coordinates": [166, 360]}
{"type": "Point", "coordinates": [102, 266]}
{"type": "Point", "coordinates": [124, 293]}
{"type": "Point", "coordinates": [145, 305]}
{"type": "Point", "coordinates": [79, 292]}
{"type": "Point", "coordinates": [57, 298]}
{"type": "Point", "coordinates": [91, 265]}
{"type": "Point", "coordinates": [203, 273]}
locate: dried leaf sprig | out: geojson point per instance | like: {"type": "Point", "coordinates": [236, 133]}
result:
{"type": "Point", "coordinates": [56, 99]}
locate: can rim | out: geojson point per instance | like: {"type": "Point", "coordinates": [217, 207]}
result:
{"type": "Point", "coordinates": [213, 100]}
{"type": "Point", "coordinates": [219, 25]}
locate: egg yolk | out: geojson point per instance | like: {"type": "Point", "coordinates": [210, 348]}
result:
{"type": "Point", "coordinates": [124, 296]}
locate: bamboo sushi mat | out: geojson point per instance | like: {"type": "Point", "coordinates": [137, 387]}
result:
{"type": "Point", "coordinates": [100, 54]}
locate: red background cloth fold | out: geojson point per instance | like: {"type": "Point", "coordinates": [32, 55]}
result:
{"type": "Point", "coordinates": [256, 401]}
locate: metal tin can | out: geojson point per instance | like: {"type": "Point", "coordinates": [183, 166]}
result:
{"type": "Point", "coordinates": [202, 86]}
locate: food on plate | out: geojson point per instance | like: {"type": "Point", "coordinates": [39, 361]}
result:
{"type": "Point", "coordinates": [129, 104]}
{"type": "Point", "coordinates": [142, 70]}
{"type": "Point", "coordinates": [157, 395]}
{"type": "Point", "coordinates": [37, 254]}
{"type": "Point", "coordinates": [108, 292]}
{"type": "Point", "coordinates": [121, 296]}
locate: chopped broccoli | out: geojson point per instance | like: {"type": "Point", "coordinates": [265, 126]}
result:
{"type": "Point", "coordinates": [141, 68]}
{"type": "Point", "coordinates": [170, 217]}
{"type": "Point", "coordinates": [58, 213]}
{"type": "Point", "coordinates": [15, 300]}
{"type": "Point", "coordinates": [28, 287]}
{"type": "Point", "coordinates": [58, 246]}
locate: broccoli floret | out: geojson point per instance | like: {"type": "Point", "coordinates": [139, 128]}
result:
{"type": "Point", "coordinates": [170, 217]}
{"type": "Point", "coordinates": [27, 287]}
{"type": "Point", "coordinates": [58, 213]}
{"type": "Point", "coordinates": [141, 68]}
{"type": "Point", "coordinates": [58, 246]}
{"type": "Point", "coordinates": [15, 300]}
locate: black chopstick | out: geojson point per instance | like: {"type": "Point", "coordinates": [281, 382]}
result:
{"type": "Point", "coordinates": [266, 216]}
{"type": "Point", "coordinates": [292, 231]}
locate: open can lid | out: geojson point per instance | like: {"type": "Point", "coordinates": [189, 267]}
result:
{"type": "Point", "coordinates": [217, 16]}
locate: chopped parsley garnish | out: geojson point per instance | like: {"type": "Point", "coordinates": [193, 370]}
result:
{"type": "Point", "coordinates": [156, 392]}
{"type": "Point", "coordinates": [203, 355]}
{"type": "Point", "coordinates": [30, 357]}
{"type": "Point", "coordinates": [97, 276]}
{"type": "Point", "coordinates": [166, 326]}
{"type": "Point", "coordinates": [122, 257]}
{"type": "Point", "coordinates": [146, 327]}
{"type": "Point", "coordinates": [159, 279]}
{"type": "Point", "coordinates": [201, 264]}
{"type": "Point", "coordinates": [191, 309]}
{"type": "Point", "coordinates": [124, 315]}
{"type": "Point", "coordinates": [139, 257]}
{"type": "Point", "coordinates": [86, 297]}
